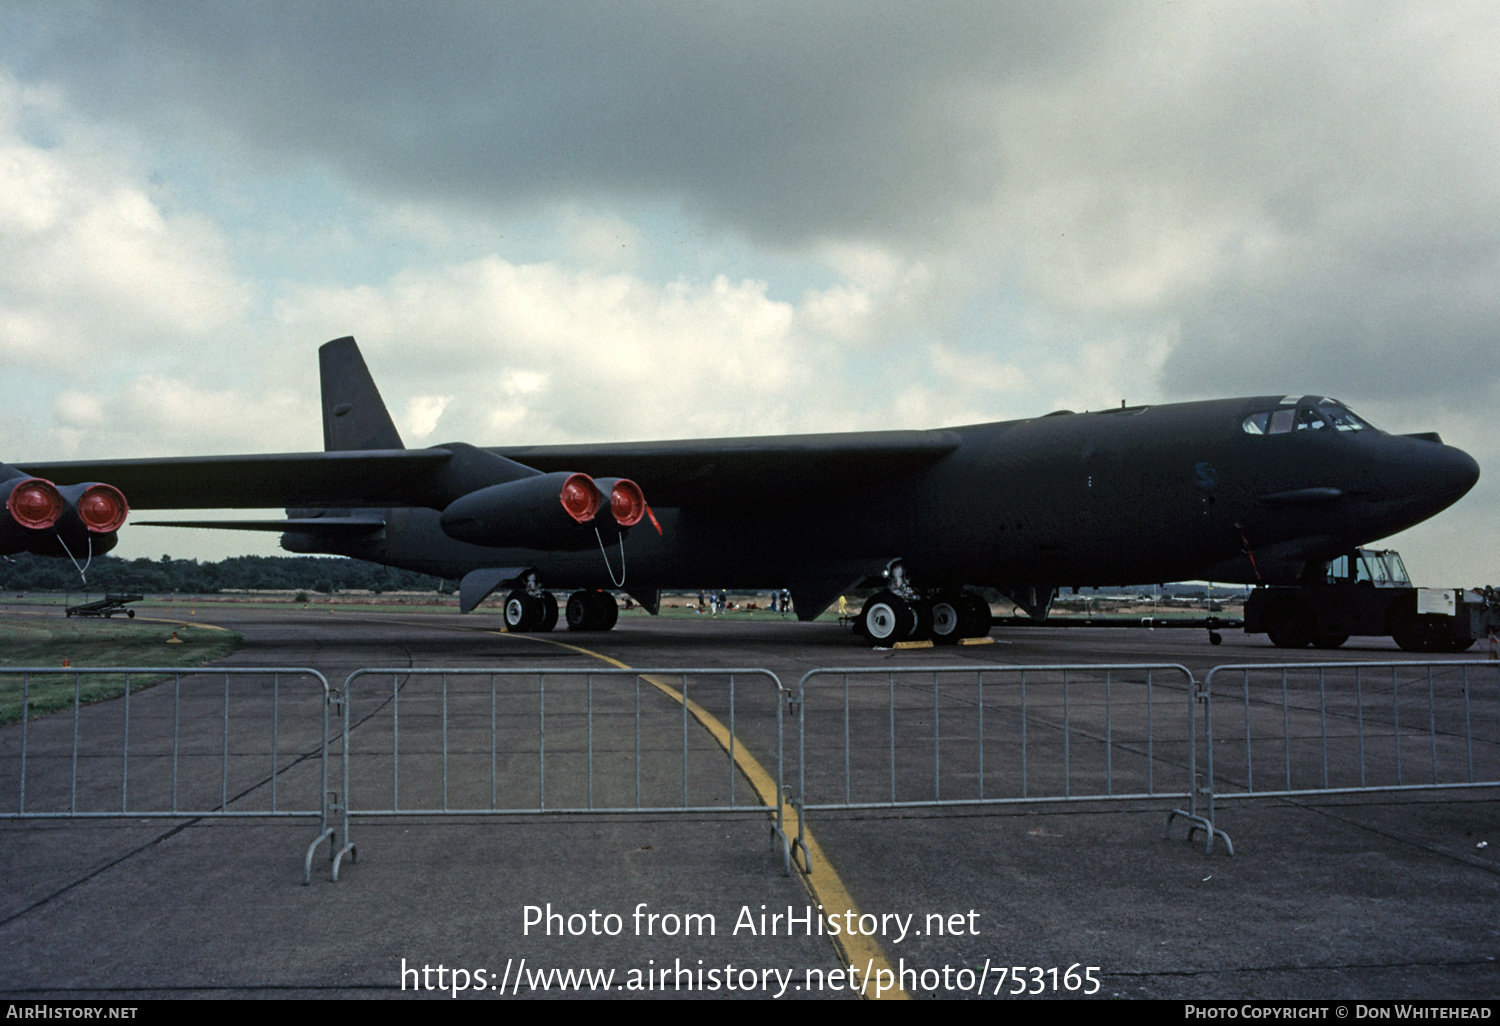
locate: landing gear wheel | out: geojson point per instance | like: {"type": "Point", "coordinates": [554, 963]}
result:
{"type": "Point", "coordinates": [609, 611]}
{"type": "Point", "coordinates": [523, 612]}
{"type": "Point", "coordinates": [1290, 625]}
{"type": "Point", "coordinates": [549, 611]}
{"type": "Point", "coordinates": [980, 617]}
{"type": "Point", "coordinates": [951, 618]}
{"type": "Point", "coordinates": [887, 619]}
{"type": "Point", "coordinates": [578, 611]}
{"type": "Point", "coordinates": [592, 611]}
{"type": "Point", "coordinates": [1329, 640]}
{"type": "Point", "coordinates": [922, 629]}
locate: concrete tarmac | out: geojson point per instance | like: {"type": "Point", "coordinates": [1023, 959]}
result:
{"type": "Point", "coordinates": [1339, 897]}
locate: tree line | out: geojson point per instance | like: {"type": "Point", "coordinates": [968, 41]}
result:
{"type": "Point", "coordinates": [326, 574]}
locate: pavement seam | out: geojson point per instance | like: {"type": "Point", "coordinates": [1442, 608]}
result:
{"type": "Point", "coordinates": [97, 871]}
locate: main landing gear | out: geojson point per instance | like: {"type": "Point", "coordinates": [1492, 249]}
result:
{"type": "Point", "coordinates": [901, 613]}
{"type": "Point", "coordinates": [592, 611]}
{"type": "Point", "coordinates": [529, 608]}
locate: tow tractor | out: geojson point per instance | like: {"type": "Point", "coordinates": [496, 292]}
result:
{"type": "Point", "coordinates": [1368, 592]}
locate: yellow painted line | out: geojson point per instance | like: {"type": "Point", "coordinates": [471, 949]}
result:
{"type": "Point", "coordinates": [183, 623]}
{"type": "Point", "coordinates": [823, 883]}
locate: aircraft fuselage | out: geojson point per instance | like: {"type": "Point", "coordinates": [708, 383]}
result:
{"type": "Point", "coordinates": [1114, 497]}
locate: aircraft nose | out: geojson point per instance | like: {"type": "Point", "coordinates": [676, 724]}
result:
{"type": "Point", "coordinates": [1451, 473]}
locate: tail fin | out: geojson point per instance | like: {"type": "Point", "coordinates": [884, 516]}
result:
{"type": "Point", "coordinates": [354, 415]}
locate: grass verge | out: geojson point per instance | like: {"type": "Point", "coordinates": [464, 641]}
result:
{"type": "Point", "coordinates": [45, 641]}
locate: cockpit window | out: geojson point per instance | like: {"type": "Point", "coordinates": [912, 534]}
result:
{"type": "Point", "coordinates": [1339, 416]}
{"type": "Point", "coordinates": [1270, 422]}
{"type": "Point", "coordinates": [1309, 419]}
{"type": "Point", "coordinates": [1307, 416]}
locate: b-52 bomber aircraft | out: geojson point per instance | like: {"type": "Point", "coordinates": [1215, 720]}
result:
{"type": "Point", "coordinates": [1257, 490]}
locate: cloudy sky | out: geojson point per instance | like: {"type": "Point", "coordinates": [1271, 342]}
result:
{"type": "Point", "coordinates": [549, 222]}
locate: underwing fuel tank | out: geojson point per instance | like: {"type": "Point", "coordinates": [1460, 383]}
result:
{"type": "Point", "coordinates": [50, 520]}
{"type": "Point", "coordinates": [548, 512]}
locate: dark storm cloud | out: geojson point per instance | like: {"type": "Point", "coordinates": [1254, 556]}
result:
{"type": "Point", "coordinates": [1387, 334]}
{"type": "Point", "coordinates": [786, 121]}
{"type": "Point", "coordinates": [1284, 192]}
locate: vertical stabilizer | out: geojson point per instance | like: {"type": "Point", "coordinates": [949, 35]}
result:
{"type": "Point", "coordinates": [354, 415]}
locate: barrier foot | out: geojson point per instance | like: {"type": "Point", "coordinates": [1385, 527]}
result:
{"type": "Point", "coordinates": [777, 834]}
{"type": "Point", "coordinates": [326, 835]}
{"type": "Point", "coordinates": [805, 866]}
{"type": "Point", "coordinates": [338, 859]}
{"type": "Point", "coordinates": [1196, 823]}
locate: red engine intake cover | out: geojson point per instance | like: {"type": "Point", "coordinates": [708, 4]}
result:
{"type": "Point", "coordinates": [580, 499]}
{"type": "Point", "coordinates": [35, 503]}
{"type": "Point", "coordinates": [627, 503]}
{"type": "Point", "coordinates": [102, 508]}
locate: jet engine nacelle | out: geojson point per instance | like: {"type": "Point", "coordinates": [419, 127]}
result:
{"type": "Point", "coordinates": [41, 517]}
{"type": "Point", "coordinates": [546, 512]}
{"type": "Point", "coordinates": [625, 506]}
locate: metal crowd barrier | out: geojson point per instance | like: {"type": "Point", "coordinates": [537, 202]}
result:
{"type": "Point", "coordinates": [992, 735]}
{"type": "Point", "coordinates": [180, 744]}
{"type": "Point", "coordinates": [1300, 729]}
{"type": "Point", "coordinates": [506, 742]}
{"type": "Point", "coordinates": [256, 742]}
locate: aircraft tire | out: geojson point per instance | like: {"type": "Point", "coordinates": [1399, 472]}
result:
{"type": "Point", "coordinates": [1329, 640]}
{"type": "Point", "coordinates": [578, 611]}
{"type": "Point", "coordinates": [951, 618]}
{"type": "Point", "coordinates": [608, 611]}
{"type": "Point", "coordinates": [922, 629]}
{"type": "Point", "coordinates": [1290, 625]}
{"type": "Point", "coordinates": [549, 611]}
{"type": "Point", "coordinates": [523, 612]}
{"type": "Point", "coordinates": [886, 619]}
{"type": "Point", "coordinates": [592, 611]}
{"type": "Point", "coordinates": [980, 617]}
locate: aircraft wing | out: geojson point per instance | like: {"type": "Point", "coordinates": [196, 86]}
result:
{"type": "Point", "coordinates": [672, 473]}
{"type": "Point", "coordinates": [328, 479]}
{"type": "Point", "coordinates": [722, 470]}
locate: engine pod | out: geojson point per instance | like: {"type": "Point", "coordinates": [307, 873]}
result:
{"type": "Point", "coordinates": [548, 511]}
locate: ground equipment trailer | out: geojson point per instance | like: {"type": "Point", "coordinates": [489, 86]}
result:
{"type": "Point", "coordinates": [1368, 592]}
{"type": "Point", "coordinates": [110, 605]}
